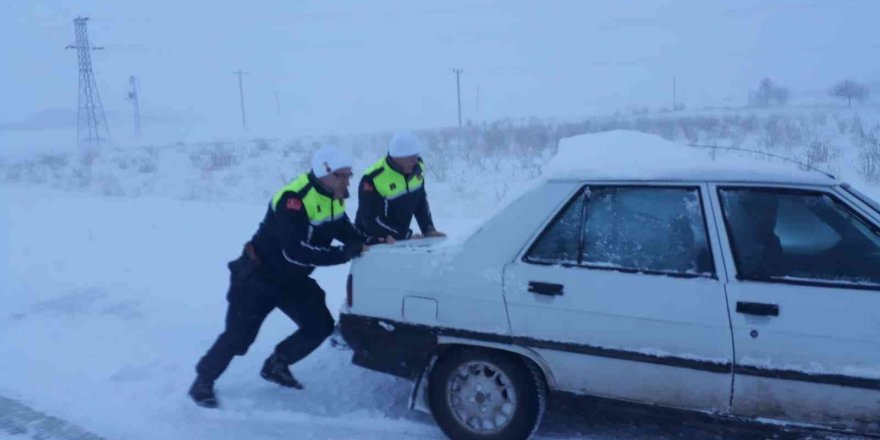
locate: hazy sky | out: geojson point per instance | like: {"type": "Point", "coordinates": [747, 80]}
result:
{"type": "Point", "coordinates": [356, 66]}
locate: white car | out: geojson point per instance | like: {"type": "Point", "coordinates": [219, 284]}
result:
{"type": "Point", "coordinates": [642, 271]}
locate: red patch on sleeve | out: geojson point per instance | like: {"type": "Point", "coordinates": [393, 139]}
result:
{"type": "Point", "coordinates": [294, 204]}
{"type": "Point", "coordinates": [368, 187]}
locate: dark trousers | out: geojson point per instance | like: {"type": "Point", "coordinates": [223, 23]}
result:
{"type": "Point", "coordinates": [252, 296]}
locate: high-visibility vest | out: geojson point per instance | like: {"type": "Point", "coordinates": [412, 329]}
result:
{"type": "Point", "coordinates": [319, 207]}
{"type": "Point", "coordinates": [391, 184]}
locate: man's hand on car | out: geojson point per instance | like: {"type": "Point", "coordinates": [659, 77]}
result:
{"type": "Point", "coordinates": [354, 249]}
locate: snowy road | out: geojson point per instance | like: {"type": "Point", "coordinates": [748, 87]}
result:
{"type": "Point", "coordinates": [108, 302]}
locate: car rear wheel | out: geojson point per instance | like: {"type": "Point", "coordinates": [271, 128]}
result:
{"type": "Point", "coordinates": [486, 395]}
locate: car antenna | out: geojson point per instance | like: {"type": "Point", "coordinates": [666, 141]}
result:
{"type": "Point", "coordinates": [776, 156]}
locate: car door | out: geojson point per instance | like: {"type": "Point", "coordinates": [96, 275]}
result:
{"type": "Point", "coordinates": [804, 304]}
{"type": "Point", "coordinates": [620, 296]}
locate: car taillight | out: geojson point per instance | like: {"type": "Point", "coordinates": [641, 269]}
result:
{"type": "Point", "coordinates": [349, 291]}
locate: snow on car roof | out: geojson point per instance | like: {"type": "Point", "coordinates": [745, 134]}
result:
{"type": "Point", "coordinates": [630, 155]}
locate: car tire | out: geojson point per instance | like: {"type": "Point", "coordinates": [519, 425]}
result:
{"type": "Point", "coordinates": [486, 395]}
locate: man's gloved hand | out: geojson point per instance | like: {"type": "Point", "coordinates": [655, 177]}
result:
{"type": "Point", "coordinates": [380, 240]}
{"type": "Point", "coordinates": [353, 249]}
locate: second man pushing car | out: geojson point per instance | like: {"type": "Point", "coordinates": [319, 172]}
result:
{"type": "Point", "coordinates": [392, 191]}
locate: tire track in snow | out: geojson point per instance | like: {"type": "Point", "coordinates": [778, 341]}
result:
{"type": "Point", "coordinates": [19, 419]}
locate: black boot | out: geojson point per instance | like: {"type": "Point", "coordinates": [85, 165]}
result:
{"type": "Point", "coordinates": [202, 392]}
{"type": "Point", "coordinates": [278, 372]}
{"type": "Point", "coordinates": [337, 341]}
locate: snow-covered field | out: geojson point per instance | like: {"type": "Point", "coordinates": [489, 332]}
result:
{"type": "Point", "coordinates": [113, 288]}
{"type": "Point", "coordinates": [108, 302]}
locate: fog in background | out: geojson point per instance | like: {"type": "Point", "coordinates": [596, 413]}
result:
{"type": "Point", "coordinates": [356, 67]}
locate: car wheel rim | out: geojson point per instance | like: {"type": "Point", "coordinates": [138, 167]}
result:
{"type": "Point", "coordinates": [481, 397]}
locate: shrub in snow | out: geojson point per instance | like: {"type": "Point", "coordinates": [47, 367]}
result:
{"type": "Point", "coordinates": [820, 153]}
{"type": "Point", "coordinates": [55, 162]}
{"type": "Point", "coordinates": [143, 161]}
{"type": "Point", "coordinates": [482, 162]}
{"type": "Point", "coordinates": [259, 148]}
{"type": "Point", "coordinates": [869, 155]}
{"type": "Point", "coordinates": [209, 158]}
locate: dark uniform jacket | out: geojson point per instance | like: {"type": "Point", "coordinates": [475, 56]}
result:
{"type": "Point", "coordinates": [296, 234]}
{"type": "Point", "coordinates": [388, 199]}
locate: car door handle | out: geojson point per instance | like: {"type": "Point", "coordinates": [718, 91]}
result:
{"type": "Point", "coordinates": [542, 288]}
{"type": "Point", "coordinates": [759, 309]}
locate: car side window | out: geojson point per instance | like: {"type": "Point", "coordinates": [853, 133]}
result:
{"type": "Point", "coordinates": [558, 243]}
{"type": "Point", "coordinates": [646, 229]}
{"type": "Point", "coordinates": [643, 229]}
{"type": "Point", "coordinates": [795, 235]}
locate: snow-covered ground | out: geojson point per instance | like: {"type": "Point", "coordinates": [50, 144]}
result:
{"type": "Point", "coordinates": [110, 296]}
{"type": "Point", "coordinates": [108, 303]}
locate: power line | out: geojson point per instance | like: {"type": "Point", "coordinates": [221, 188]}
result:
{"type": "Point", "coordinates": [90, 112]}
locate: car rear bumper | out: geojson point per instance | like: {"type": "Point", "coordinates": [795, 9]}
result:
{"type": "Point", "coordinates": [394, 348]}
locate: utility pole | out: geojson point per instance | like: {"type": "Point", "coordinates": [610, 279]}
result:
{"type": "Point", "coordinates": [241, 95]}
{"type": "Point", "coordinates": [90, 116]}
{"type": "Point", "coordinates": [458, 90]}
{"type": "Point", "coordinates": [674, 103]}
{"type": "Point", "coordinates": [478, 104]}
{"type": "Point", "coordinates": [133, 97]}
